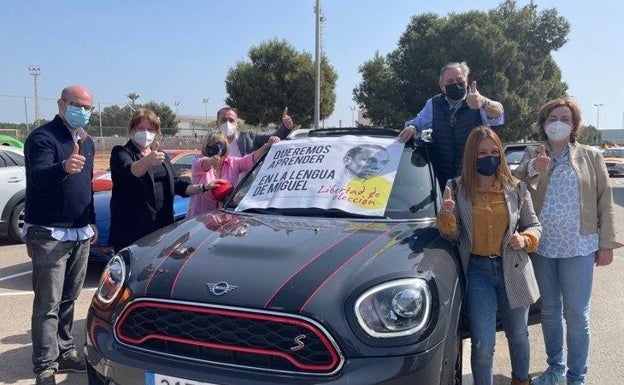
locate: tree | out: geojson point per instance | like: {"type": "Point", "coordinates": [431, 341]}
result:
{"type": "Point", "coordinates": [508, 51]}
{"type": "Point", "coordinates": [119, 116]}
{"type": "Point", "coordinates": [168, 122]}
{"type": "Point", "coordinates": [590, 135]}
{"type": "Point", "coordinates": [133, 97]}
{"type": "Point", "coordinates": [278, 76]}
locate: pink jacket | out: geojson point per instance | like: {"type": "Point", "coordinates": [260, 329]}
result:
{"type": "Point", "coordinates": [230, 170]}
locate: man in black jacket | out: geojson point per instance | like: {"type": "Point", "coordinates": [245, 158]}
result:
{"type": "Point", "coordinates": [245, 142]}
{"type": "Point", "coordinates": [59, 227]}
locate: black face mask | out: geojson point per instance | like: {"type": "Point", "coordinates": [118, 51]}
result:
{"type": "Point", "coordinates": [216, 149]}
{"type": "Point", "coordinates": [455, 91]}
{"type": "Point", "coordinates": [488, 165]}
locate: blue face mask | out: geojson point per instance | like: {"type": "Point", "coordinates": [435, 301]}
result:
{"type": "Point", "coordinates": [77, 117]}
{"type": "Point", "coordinates": [488, 165]}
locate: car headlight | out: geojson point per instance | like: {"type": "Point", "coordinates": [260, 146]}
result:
{"type": "Point", "coordinates": [112, 280]}
{"type": "Point", "coordinates": [394, 309]}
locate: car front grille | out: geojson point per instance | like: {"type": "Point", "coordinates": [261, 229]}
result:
{"type": "Point", "coordinates": [228, 336]}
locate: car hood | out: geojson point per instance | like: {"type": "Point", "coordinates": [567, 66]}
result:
{"type": "Point", "coordinates": [275, 262]}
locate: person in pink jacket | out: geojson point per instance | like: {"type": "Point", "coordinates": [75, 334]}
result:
{"type": "Point", "coordinates": [216, 170]}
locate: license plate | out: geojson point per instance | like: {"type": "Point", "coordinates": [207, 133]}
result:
{"type": "Point", "coordinates": [160, 379]}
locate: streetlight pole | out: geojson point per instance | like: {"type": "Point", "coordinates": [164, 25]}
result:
{"type": "Point", "coordinates": [598, 105]}
{"type": "Point", "coordinates": [352, 108]}
{"type": "Point", "coordinates": [26, 115]}
{"type": "Point", "coordinates": [317, 82]}
{"type": "Point", "coordinates": [176, 104]}
{"type": "Point", "coordinates": [35, 71]}
{"type": "Point", "coordinates": [205, 101]}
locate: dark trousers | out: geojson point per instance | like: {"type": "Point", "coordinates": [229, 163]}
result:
{"type": "Point", "coordinates": [59, 269]}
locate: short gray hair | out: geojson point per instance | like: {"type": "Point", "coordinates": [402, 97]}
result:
{"type": "Point", "coordinates": [463, 67]}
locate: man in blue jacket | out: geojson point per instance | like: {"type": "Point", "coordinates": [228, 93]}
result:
{"type": "Point", "coordinates": [59, 227]}
{"type": "Point", "coordinates": [451, 116]}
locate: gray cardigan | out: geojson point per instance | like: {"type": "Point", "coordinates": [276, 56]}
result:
{"type": "Point", "coordinates": [518, 273]}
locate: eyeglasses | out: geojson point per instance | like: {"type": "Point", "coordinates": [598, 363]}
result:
{"type": "Point", "coordinates": [86, 107]}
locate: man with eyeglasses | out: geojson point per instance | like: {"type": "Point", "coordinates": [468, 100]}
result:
{"type": "Point", "coordinates": [451, 115]}
{"type": "Point", "coordinates": [59, 228]}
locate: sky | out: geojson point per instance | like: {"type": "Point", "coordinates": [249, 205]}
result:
{"type": "Point", "coordinates": [180, 51]}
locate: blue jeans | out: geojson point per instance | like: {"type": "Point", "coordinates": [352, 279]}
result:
{"type": "Point", "coordinates": [59, 269]}
{"type": "Point", "coordinates": [565, 285]}
{"type": "Point", "coordinates": [485, 295]}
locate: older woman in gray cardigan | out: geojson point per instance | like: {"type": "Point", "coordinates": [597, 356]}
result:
{"type": "Point", "coordinates": [490, 215]}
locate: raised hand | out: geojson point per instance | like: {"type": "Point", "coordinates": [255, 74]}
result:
{"type": "Point", "coordinates": [474, 99]}
{"type": "Point", "coordinates": [542, 161]}
{"type": "Point", "coordinates": [75, 162]}
{"type": "Point", "coordinates": [155, 157]}
{"type": "Point", "coordinates": [210, 162]}
{"type": "Point", "coordinates": [287, 120]}
{"type": "Point", "coordinates": [448, 203]}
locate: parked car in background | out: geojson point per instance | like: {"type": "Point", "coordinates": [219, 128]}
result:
{"type": "Point", "coordinates": [291, 291]}
{"type": "Point", "coordinates": [12, 192]}
{"type": "Point", "coordinates": [614, 159]}
{"type": "Point", "coordinates": [514, 153]}
{"type": "Point", "coordinates": [102, 251]}
{"type": "Point", "coordinates": [6, 140]}
{"type": "Point", "coordinates": [181, 161]}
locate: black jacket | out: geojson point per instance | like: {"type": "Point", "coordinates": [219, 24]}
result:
{"type": "Point", "coordinates": [53, 197]}
{"type": "Point", "coordinates": [249, 141]}
{"type": "Point", "coordinates": [132, 204]}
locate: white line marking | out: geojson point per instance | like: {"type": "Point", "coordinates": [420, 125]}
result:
{"type": "Point", "coordinates": [16, 293]}
{"type": "Point", "coordinates": [15, 275]}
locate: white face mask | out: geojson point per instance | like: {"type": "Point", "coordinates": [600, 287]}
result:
{"type": "Point", "coordinates": [228, 129]}
{"type": "Point", "coordinates": [143, 139]}
{"type": "Point", "coordinates": [558, 131]}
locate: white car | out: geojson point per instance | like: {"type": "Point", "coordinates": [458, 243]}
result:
{"type": "Point", "coordinates": [12, 192]}
{"type": "Point", "coordinates": [514, 153]}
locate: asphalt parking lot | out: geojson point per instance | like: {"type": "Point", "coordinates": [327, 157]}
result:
{"type": "Point", "coordinates": [606, 365]}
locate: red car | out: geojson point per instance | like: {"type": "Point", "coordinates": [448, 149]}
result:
{"type": "Point", "coordinates": [181, 160]}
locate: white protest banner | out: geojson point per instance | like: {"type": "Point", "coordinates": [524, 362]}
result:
{"type": "Point", "coordinates": [352, 173]}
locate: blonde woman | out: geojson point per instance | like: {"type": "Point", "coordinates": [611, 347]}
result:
{"type": "Point", "coordinates": [214, 169]}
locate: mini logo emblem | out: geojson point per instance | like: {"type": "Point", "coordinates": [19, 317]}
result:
{"type": "Point", "coordinates": [299, 341]}
{"type": "Point", "coordinates": [220, 288]}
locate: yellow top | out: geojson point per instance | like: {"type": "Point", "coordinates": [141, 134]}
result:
{"type": "Point", "coordinates": [490, 221]}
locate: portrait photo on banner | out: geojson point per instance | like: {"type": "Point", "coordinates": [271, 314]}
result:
{"type": "Point", "coordinates": [354, 174]}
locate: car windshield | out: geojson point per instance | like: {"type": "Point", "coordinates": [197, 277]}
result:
{"type": "Point", "coordinates": [614, 153]}
{"type": "Point", "coordinates": [412, 193]}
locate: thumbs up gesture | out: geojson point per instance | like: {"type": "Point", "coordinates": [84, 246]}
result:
{"type": "Point", "coordinates": [287, 120]}
{"type": "Point", "coordinates": [542, 161]}
{"type": "Point", "coordinates": [448, 203]}
{"type": "Point", "coordinates": [75, 162]}
{"type": "Point", "coordinates": [474, 99]}
{"type": "Point", "coordinates": [155, 157]}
